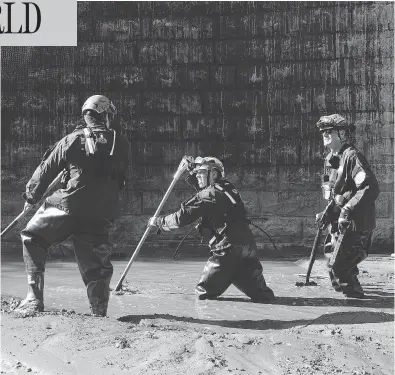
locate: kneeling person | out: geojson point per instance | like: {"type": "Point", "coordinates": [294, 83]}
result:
{"type": "Point", "coordinates": [223, 223]}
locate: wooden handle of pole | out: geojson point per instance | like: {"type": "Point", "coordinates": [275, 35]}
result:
{"type": "Point", "coordinates": [183, 165]}
{"type": "Point", "coordinates": [140, 244]}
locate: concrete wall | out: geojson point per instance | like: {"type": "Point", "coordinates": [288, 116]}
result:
{"type": "Point", "coordinates": [245, 82]}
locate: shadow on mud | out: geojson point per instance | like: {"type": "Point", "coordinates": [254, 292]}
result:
{"type": "Point", "coordinates": [379, 293]}
{"type": "Point", "coordinates": [351, 317]}
{"type": "Point", "coordinates": [370, 301]}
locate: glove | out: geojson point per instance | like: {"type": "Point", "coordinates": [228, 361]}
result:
{"type": "Point", "coordinates": [65, 179]}
{"type": "Point", "coordinates": [340, 200]}
{"type": "Point", "coordinates": [28, 206]}
{"type": "Point", "coordinates": [191, 167]}
{"type": "Point", "coordinates": [343, 224]}
{"type": "Point", "coordinates": [344, 221]}
{"type": "Point", "coordinates": [344, 214]}
{"type": "Point", "coordinates": [318, 217]}
{"type": "Point", "coordinates": [155, 222]}
{"type": "Point", "coordinates": [191, 163]}
{"type": "Point", "coordinates": [28, 198]}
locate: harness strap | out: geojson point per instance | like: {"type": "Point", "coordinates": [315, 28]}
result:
{"type": "Point", "coordinates": [113, 143]}
{"type": "Point", "coordinates": [221, 189]}
{"type": "Point", "coordinates": [89, 141]}
{"type": "Point", "coordinates": [89, 137]}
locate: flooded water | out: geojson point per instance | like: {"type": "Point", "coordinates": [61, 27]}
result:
{"type": "Point", "coordinates": [167, 287]}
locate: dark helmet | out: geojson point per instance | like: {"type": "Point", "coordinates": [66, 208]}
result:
{"type": "Point", "coordinates": [334, 121]}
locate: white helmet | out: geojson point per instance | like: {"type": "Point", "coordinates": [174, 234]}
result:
{"type": "Point", "coordinates": [210, 162]}
{"type": "Point", "coordinates": [99, 104]}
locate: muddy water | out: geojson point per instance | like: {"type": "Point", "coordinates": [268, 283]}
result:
{"type": "Point", "coordinates": [167, 287]}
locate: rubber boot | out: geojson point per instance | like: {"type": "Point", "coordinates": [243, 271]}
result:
{"type": "Point", "coordinates": [265, 295]}
{"type": "Point", "coordinates": [34, 301]}
{"type": "Point", "coordinates": [98, 295]}
{"type": "Point", "coordinates": [99, 309]}
{"type": "Point", "coordinates": [335, 282]}
{"type": "Point", "coordinates": [354, 288]}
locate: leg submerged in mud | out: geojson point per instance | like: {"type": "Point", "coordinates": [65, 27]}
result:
{"type": "Point", "coordinates": [96, 270]}
{"type": "Point", "coordinates": [239, 266]}
{"type": "Point", "coordinates": [249, 277]}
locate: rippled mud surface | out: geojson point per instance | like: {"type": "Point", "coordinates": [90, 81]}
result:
{"type": "Point", "coordinates": [156, 325]}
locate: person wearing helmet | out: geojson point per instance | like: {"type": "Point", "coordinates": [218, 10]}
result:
{"type": "Point", "coordinates": [95, 159]}
{"type": "Point", "coordinates": [349, 181]}
{"type": "Point", "coordinates": [224, 226]}
{"type": "Point", "coordinates": [191, 178]}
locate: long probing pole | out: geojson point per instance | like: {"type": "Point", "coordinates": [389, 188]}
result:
{"type": "Point", "coordinates": [181, 168]}
{"type": "Point", "coordinates": [313, 254]}
{"type": "Point", "coordinates": [25, 212]}
{"type": "Point", "coordinates": [323, 222]}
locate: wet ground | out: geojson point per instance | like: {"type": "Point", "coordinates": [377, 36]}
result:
{"type": "Point", "coordinates": [159, 305]}
{"type": "Point", "coordinates": [167, 287]}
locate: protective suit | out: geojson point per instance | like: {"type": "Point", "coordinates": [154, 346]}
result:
{"type": "Point", "coordinates": [95, 159]}
{"type": "Point", "coordinates": [223, 225]}
{"type": "Point", "coordinates": [349, 181]}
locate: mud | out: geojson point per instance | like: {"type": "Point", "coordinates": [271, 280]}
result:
{"type": "Point", "coordinates": [156, 326]}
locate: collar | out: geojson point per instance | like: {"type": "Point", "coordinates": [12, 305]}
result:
{"type": "Point", "coordinates": [344, 147]}
{"type": "Point", "coordinates": [98, 127]}
{"type": "Point", "coordinates": [331, 154]}
{"type": "Point", "coordinates": [334, 160]}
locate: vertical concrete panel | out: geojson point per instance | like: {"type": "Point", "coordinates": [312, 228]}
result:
{"type": "Point", "coordinates": [373, 16]}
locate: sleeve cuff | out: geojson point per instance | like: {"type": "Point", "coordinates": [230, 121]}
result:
{"type": "Point", "coordinates": [344, 213]}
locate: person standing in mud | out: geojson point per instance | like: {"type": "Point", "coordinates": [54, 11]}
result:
{"type": "Point", "coordinates": [352, 187]}
{"type": "Point", "coordinates": [224, 225]}
{"type": "Point", "coordinates": [95, 159]}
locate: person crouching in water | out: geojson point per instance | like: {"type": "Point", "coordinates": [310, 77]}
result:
{"type": "Point", "coordinates": [95, 159]}
{"type": "Point", "coordinates": [223, 223]}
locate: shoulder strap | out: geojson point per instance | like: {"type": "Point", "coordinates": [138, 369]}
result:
{"type": "Point", "coordinates": [222, 190]}
{"type": "Point", "coordinates": [113, 143]}
{"type": "Point", "coordinates": [90, 143]}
